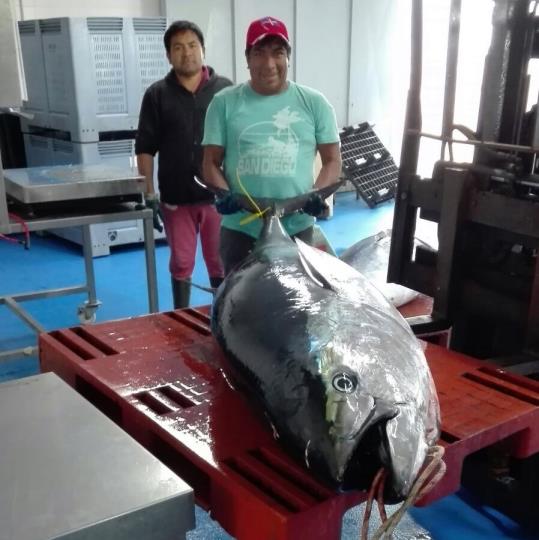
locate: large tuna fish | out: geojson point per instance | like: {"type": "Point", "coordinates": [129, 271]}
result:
{"type": "Point", "coordinates": [335, 367]}
{"type": "Point", "coordinates": [370, 257]}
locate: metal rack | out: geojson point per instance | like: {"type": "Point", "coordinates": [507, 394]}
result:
{"type": "Point", "coordinates": [367, 164]}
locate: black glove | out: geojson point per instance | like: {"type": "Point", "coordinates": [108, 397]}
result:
{"type": "Point", "coordinates": [227, 204]}
{"type": "Point", "coordinates": [152, 202]}
{"type": "Point", "coordinates": [315, 206]}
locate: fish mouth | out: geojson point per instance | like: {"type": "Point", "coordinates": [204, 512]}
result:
{"type": "Point", "coordinates": [359, 456]}
{"type": "Point", "coordinates": [368, 412]}
{"type": "Point", "coordinates": [368, 456]}
{"type": "Point", "coordinates": [371, 453]}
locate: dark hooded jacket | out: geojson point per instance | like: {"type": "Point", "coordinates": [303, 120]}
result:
{"type": "Point", "coordinates": [171, 123]}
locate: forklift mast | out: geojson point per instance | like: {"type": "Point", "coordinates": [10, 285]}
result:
{"type": "Point", "coordinates": [484, 277]}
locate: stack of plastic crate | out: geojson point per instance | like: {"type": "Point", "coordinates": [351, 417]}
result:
{"type": "Point", "coordinates": [85, 79]}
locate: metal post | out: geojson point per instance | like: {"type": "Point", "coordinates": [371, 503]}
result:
{"type": "Point", "coordinates": [89, 264]}
{"type": "Point", "coordinates": [149, 250]}
{"type": "Point", "coordinates": [453, 196]}
{"type": "Point", "coordinates": [495, 78]}
{"type": "Point", "coordinates": [532, 333]}
{"type": "Point", "coordinates": [402, 235]}
{"type": "Point", "coordinates": [451, 75]}
{"type": "Point", "coordinates": [4, 218]}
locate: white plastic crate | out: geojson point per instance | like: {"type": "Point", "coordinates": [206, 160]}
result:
{"type": "Point", "coordinates": [88, 75]}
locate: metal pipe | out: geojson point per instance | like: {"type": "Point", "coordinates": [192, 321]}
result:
{"type": "Point", "coordinates": [89, 264]}
{"type": "Point", "coordinates": [402, 236]}
{"type": "Point", "coordinates": [25, 316]}
{"type": "Point", "coordinates": [413, 121]}
{"type": "Point", "coordinates": [17, 353]}
{"type": "Point", "coordinates": [149, 250]}
{"type": "Point", "coordinates": [48, 293]}
{"type": "Point", "coordinates": [488, 144]}
{"type": "Point", "coordinates": [4, 218]}
{"type": "Point", "coordinates": [451, 75]}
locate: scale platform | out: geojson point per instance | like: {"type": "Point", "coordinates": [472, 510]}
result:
{"type": "Point", "coordinates": [67, 472]}
{"type": "Point", "coordinates": [40, 185]}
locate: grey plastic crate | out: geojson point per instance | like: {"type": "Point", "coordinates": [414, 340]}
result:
{"type": "Point", "coordinates": [34, 67]}
{"type": "Point", "coordinates": [88, 75]}
{"type": "Point", "coordinates": [38, 150]}
{"type": "Point", "coordinates": [119, 152]}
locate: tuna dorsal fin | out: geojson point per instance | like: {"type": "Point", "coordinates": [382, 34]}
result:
{"type": "Point", "coordinates": [272, 231]}
{"type": "Point", "coordinates": [307, 256]}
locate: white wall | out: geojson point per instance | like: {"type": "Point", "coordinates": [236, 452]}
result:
{"type": "Point", "coordinates": [216, 20]}
{"type": "Point", "coordinates": [357, 52]}
{"type": "Point", "coordinates": [354, 51]}
{"type": "Point", "coordinates": [43, 9]}
{"type": "Point", "coordinates": [380, 67]}
{"type": "Point", "coordinates": [323, 51]}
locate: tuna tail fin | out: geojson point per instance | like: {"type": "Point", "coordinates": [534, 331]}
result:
{"type": "Point", "coordinates": [277, 207]}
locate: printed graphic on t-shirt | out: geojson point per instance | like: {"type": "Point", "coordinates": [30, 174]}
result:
{"type": "Point", "coordinates": [270, 148]}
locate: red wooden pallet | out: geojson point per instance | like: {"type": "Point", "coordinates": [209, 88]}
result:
{"type": "Point", "coordinates": [159, 377]}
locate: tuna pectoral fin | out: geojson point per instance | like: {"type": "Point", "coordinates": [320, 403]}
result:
{"type": "Point", "coordinates": [407, 448]}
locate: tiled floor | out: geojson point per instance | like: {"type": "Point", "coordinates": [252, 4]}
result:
{"type": "Point", "coordinates": [120, 280]}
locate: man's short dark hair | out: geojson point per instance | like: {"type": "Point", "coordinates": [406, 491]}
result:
{"type": "Point", "coordinates": [267, 40]}
{"type": "Point", "coordinates": [182, 26]}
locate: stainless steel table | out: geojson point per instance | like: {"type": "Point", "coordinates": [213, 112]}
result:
{"type": "Point", "coordinates": [87, 311]}
{"type": "Point", "coordinates": [63, 183]}
{"type": "Point", "coordinates": [68, 472]}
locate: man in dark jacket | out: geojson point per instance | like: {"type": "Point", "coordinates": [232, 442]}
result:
{"type": "Point", "coordinates": [171, 123]}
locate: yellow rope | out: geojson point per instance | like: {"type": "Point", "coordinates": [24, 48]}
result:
{"type": "Point", "coordinates": [259, 213]}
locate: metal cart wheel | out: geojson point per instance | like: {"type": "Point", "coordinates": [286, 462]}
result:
{"type": "Point", "coordinates": [86, 312]}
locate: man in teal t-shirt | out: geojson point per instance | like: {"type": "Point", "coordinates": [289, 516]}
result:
{"type": "Point", "coordinates": [261, 138]}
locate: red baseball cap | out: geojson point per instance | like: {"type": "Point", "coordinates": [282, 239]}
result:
{"type": "Point", "coordinates": [264, 27]}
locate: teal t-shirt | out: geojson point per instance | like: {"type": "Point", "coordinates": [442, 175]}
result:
{"type": "Point", "coordinates": [270, 144]}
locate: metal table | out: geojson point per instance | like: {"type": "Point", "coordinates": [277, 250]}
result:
{"type": "Point", "coordinates": [33, 187]}
{"type": "Point", "coordinates": [68, 472]}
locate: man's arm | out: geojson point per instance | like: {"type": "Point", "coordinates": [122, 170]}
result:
{"type": "Point", "coordinates": [330, 155]}
{"type": "Point", "coordinates": [145, 168]}
{"type": "Point", "coordinates": [211, 167]}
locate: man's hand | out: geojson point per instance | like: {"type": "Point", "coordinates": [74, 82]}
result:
{"type": "Point", "coordinates": [315, 206]}
{"type": "Point", "coordinates": [152, 202]}
{"type": "Point", "coordinates": [227, 204]}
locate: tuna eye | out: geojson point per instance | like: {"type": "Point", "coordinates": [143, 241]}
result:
{"type": "Point", "coordinates": [344, 382]}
